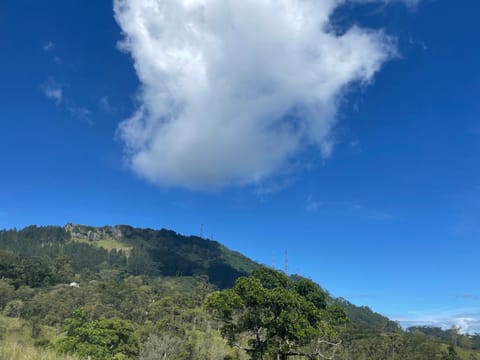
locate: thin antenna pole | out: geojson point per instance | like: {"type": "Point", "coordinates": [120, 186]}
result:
{"type": "Point", "coordinates": [273, 260]}
{"type": "Point", "coordinates": [201, 231]}
{"type": "Point", "coordinates": [286, 262]}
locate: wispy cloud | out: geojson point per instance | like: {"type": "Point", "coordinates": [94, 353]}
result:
{"type": "Point", "coordinates": [468, 320]}
{"type": "Point", "coordinates": [80, 112]}
{"type": "Point", "coordinates": [55, 91]}
{"type": "Point", "coordinates": [355, 146]}
{"type": "Point", "coordinates": [348, 207]}
{"type": "Point", "coordinates": [106, 105]}
{"type": "Point", "coordinates": [313, 205]}
{"type": "Point", "coordinates": [374, 214]}
{"type": "Point", "coordinates": [466, 296]}
{"type": "Point", "coordinates": [49, 46]}
{"type": "Point", "coordinates": [233, 91]}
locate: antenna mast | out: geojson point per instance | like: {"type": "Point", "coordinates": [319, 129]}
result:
{"type": "Point", "coordinates": [286, 262]}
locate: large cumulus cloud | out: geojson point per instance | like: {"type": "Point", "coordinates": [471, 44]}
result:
{"type": "Point", "coordinates": [233, 90]}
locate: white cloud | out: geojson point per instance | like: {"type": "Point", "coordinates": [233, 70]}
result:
{"type": "Point", "coordinates": [233, 90]}
{"type": "Point", "coordinates": [467, 320]}
{"type": "Point", "coordinates": [53, 91]}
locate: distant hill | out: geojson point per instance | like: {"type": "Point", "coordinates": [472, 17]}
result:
{"type": "Point", "coordinates": [366, 318]}
{"type": "Point", "coordinates": [152, 252]}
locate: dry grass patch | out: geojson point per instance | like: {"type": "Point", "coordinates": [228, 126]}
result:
{"type": "Point", "coordinates": [107, 244]}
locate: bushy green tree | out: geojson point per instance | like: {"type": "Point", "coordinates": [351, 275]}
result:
{"type": "Point", "coordinates": [277, 316]}
{"type": "Point", "coordinates": [100, 339]}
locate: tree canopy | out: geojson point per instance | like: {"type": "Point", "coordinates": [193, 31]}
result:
{"type": "Point", "coordinates": [276, 316]}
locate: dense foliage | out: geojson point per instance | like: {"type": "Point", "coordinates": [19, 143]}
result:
{"type": "Point", "coordinates": [277, 316]}
{"type": "Point", "coordinates": [135, 251]}
{"type": "Point", "coordinates": [101, 339]}
{"type": "Point", "coordinates": [126, 293]}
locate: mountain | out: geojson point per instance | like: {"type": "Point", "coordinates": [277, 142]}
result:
{"type": "Point", "coordinates": [151, 252]}
{"type": "Point", "coordinates": [169, 253]}
{"type": "Point", "coordinates": [150, 282]}
{"type": "Point", "coordinates": [144, 251]}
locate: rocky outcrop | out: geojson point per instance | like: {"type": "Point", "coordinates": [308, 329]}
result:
{"type": "Point", "coordinates": [93, 233]}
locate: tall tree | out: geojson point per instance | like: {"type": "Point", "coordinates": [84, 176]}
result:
{"type": "Point", "coordinates": [277, 316]}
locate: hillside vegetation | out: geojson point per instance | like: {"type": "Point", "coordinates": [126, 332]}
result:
{"type": "Point", "coordinates": [127, 293]}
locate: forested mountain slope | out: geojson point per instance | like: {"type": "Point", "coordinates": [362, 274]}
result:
{"type": "Point", "coordinates": [136, 251]}
{"type": "Point", "coordinates": [127, 293]}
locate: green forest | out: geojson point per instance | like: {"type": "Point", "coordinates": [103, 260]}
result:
{"type": "Point", "coordinates": [80, 292]}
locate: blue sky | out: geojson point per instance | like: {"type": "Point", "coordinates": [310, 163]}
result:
{"type": "Point", "coordinates": [349, 137]}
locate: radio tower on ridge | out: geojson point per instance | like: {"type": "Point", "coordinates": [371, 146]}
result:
{"type": "Point", "coordinates": [286, 262]}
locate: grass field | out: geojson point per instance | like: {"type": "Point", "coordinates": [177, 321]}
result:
{"type": "Point", "coordinates": [16, 342]}
{"type": "Point", "coordinates": [108, 244]}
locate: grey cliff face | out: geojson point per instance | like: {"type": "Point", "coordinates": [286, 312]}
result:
{"type": "Point", "coordinates": [93, 233]}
